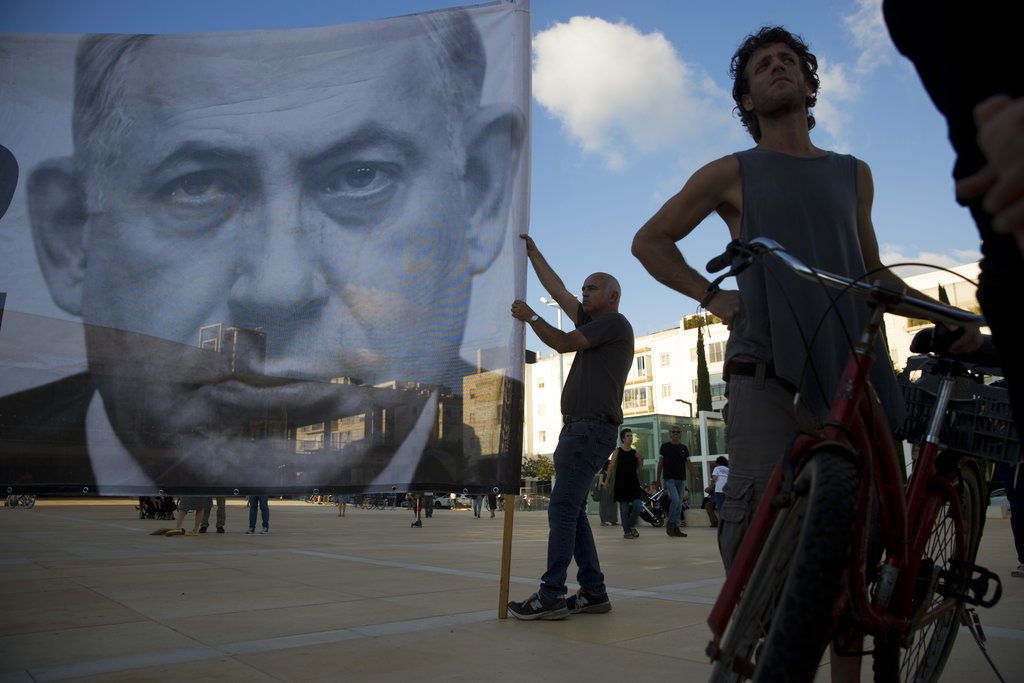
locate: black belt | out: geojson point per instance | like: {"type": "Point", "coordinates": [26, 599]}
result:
{"type": "Point", "coordinates": [566, 419]}
{"type": "Point", "coordinates": [750, 368]}
{"type": "Point", "coordinates": [747, 369]}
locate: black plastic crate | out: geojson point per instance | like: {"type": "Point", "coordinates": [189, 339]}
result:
{"type": "Point", "coordinates": [979, 419]}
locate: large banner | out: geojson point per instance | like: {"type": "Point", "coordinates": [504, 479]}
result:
{"type": "Point", "coordinates": [265, 261]}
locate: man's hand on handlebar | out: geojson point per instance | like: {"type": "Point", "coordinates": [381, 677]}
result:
{"type": "Point", "coordinates": [969, 341]}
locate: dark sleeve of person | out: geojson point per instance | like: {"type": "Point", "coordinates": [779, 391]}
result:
{"type": "Point", "coordinates": [662, 449]}
{"type": "Point", "coordinates": [608, 328]}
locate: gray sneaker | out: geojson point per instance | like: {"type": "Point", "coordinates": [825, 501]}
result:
{"type": "Point", "coordinates": [536, 607]}
{"type": "Point", "coordinates": [587, 602]}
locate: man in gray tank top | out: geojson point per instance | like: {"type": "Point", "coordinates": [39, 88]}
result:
{"type": "Point", "coordinates": [591, 412]}
{"type": "Point", "coordinates": [817, 204]}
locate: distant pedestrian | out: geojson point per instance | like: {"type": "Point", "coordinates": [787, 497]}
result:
{"type": "Point", "coordinates": [190, 504]}
{"type": "Point", "coordinates": [1013, 482]}
{"type": "Point", "coordinates": [492, 503]}
{"type": "Point", "coordinates": [628, 491]}
{"type": "Point", "coordinates": [719, 476]}
{"type": "Point", "coordinates": [478, 504]}
{"type": "Point", "coordinates": [416, 505]}
{"type": "Point", "coordinates": [222, 516]}
{"type": "Point", "coordinates": [342, 501]}
{"type": "Point", "coordinates": [428, 503]}
{"type": "Point", "coordinates": [673, 461]}
{"type": "Point", "coordinates": [263, 503]}
{"type": "Point", "coordinates": [606, 507]}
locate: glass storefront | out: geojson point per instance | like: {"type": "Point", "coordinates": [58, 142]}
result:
{"type": "Point", "coordinates": [650, 431]}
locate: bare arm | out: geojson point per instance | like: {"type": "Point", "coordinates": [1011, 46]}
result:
{"type": "Point", "coordinates": [715, 187]}
{"type": "Point", "coordinates": [657, 475]}
{"type": "Point", "coordinates": [971, 338]}
{"type": "Point", "coordinates": [552, 283]}
{"type": "Point", "coordinates": [562, 342]}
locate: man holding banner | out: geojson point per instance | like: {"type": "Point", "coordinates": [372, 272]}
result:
{"type": "Point", "coordinates": [312, 207]}
{"type": "Point", "coordinates": [591, 412]}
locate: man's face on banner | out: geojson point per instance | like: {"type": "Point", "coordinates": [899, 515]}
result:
{"type": "Point", "coordinates": [325, 193]}
{"type": "Point", "coordinates": [316, 197]}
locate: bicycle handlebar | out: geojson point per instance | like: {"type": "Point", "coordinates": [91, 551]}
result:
{"type": "Point", "coordinates": [739, 255]}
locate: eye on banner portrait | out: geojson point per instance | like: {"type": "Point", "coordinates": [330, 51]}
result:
{"type": "Point", "coordinates": [265, 261]}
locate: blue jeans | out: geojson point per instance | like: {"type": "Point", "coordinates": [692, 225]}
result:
{"type": "Point", "coordinates": [478, 505]}
{"type": "Point", "coordinates": [264, 505]}
{"type": "Point", "coordinates": [675, 493]}
{"type": "Point", "coordinates": [583, 447]}
{"type": "Point", "coordinates": [629, 514]}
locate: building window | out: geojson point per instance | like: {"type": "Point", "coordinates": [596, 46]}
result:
{"type": "Point", "coordinates": [635, 398]}
{"type": "Point", "coordinates": [715, 352]}
{"type": "Point", "coordinates": [542, 436]}
{"type": "Point", "coordinates": [666, 390]}
{"type": "Point", "coordinates": [540, 382]}
{"type": "Point", "coordinates": [666, 359]}
{"type": "Point", "coordinates": [717, 390]}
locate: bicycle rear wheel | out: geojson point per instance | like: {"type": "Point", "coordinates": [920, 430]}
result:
{"type": "Point", "coordinates": [783, 621]}
{"type": "Point", "coordinates": [949, 540]}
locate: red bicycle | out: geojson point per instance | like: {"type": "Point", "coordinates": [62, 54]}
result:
{"type": "Point", "coordinates": [813, 568]}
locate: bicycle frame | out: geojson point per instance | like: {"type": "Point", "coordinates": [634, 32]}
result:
{"type": "Point", "coordinates": [857, 425]}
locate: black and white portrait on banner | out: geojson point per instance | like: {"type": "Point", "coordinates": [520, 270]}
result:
{"type": "Point", "coordinates": [265, 261]}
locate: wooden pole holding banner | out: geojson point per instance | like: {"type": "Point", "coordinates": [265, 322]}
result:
{"type": "Point", "coordinates": [506, 557]}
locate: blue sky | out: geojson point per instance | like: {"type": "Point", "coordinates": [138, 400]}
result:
{"type": "Point", "coordinates": [648, 105]}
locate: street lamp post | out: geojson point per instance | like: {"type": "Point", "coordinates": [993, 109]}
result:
{"type": "Point", "coordinates": [679, 400]}
{"type": "Point", "coordinates": [561, 363]}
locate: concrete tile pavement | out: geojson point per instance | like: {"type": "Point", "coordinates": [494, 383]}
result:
{"type": "Point", "coordinates": [88, 593]}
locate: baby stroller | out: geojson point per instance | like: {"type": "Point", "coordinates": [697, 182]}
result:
{"type": "Point", "coordinates": [654, 507]}
{"type": "Point", "coordinates": [156, 507]}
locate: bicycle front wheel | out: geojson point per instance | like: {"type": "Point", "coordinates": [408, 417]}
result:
{"type": "Point", "coordinates": [783, 621]}
{"type": "Point", "coordinates": [952, 538]}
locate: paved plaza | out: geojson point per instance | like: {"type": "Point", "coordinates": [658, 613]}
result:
{"type": "Point", "coordinates": [87, 592]}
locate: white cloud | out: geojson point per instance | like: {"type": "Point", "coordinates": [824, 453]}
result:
{"type": "Point", "coordinates": [835, 95]}
{"type": "Point", "coordinates": [841, 82]}
{"type": "Point", "coordinates": [893, 253]}
{"type": "Point", "coordinates": [617, 91]}
{"type": "Point", "coordinates": [867, 30]}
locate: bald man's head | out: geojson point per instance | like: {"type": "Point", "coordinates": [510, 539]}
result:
{"type": "Point", "coordinates": [601, 294]}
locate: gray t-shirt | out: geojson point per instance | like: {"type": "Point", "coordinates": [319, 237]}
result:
{"type": "Point", "coordinates": [809, 206]}
{"type": "Point", "coordinates": [598, 374]}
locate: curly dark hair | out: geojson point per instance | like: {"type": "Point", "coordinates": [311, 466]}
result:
{"type": "Point", "coordinates": [737, 69]}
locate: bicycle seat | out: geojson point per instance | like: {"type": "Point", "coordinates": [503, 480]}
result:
{"type": "Point", "coordinates": [938, 340]}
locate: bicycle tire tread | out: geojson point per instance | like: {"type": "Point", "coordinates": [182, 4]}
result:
{"type": "Point", "coordinates": [801, 629]}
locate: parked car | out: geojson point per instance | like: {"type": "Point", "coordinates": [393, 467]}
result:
{"type": "Point", "coordinates": [449, 503]}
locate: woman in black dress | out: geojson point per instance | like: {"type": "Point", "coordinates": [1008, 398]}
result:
{"type": "Point", "coordinates": [627, 484]}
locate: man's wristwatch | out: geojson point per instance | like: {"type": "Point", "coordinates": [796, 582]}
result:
{"type": "Point", "coordinates": [534, 318]}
